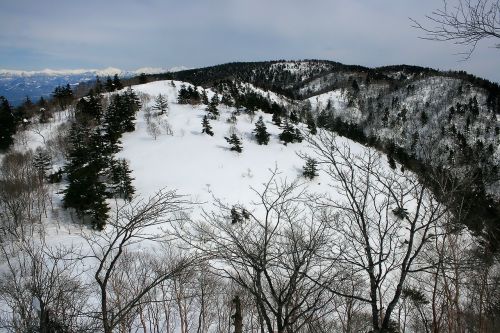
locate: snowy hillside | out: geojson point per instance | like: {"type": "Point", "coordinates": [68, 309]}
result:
{"type": "Point", "coordinates": [194, 250]}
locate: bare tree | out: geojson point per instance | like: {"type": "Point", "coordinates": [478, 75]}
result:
{"type": "Point", "coordinates": [385, 221]}
{"type": "Point", "coordinates": [134, 222]}
{"type": "Point", "coordinates": [41, 288]}
{"type": "Point", "coordinates": [271, 252]}
{"type": "Point", "coordinates": [23, 195]}
{"type": "Point", "coordinates": [466, 22]}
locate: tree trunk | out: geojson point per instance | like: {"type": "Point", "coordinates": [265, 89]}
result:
{"type": "Point", "coordinates": [238, 317]}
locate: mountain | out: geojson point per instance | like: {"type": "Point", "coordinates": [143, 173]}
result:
{"type": "Point", "coordinates": [433, 122]}
{"type": "Point", "coordinates": [193, 231]}
{"type": "Point", "coordinates": [16, 85]}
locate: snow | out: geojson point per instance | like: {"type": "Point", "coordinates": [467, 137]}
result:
{"type": "Point", "coordinates": [201, 165]}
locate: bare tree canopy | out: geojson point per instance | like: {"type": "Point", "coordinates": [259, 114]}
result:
{"type": "Point", "coordinates": [465, 22]}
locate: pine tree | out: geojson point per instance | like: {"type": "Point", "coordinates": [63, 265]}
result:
{"type": "Point", "coordinates": [42, 162]}
{"type": "Point", "coordinates": [227, 99]}
{"type": "Point", "coordinates": [117, 84]}
{"type": "Point", "coordinates": [63, 95]}
{"type": "Point", "coordinates": [261, 133]}
{"type": "Point", "coordinates": [85, 167]}
{"type": "Point", "coordinates": [89, 107]}
{"type": "Point", "coordinates": [276, 118]}
{"type": "Point", "coordinates": [182, 98]}
{"type": "Point", "coordinates": [293, 117]}
{"type": "Point", "coordinates": [98, 88]}
{"type": "Point", "coordinates": [212, 110]}
{"type": "Point", "coordinates": [7, 124]}
{"type": "Point", "coordinates": [310, 169]}
{"type": "Point", "coordinates": [290, 134]}
{"type": "Point", "coordinates": [110, 87]}
{"type": "Point", "coordinates": [121, 179]}
{"type": "Point", "coordinates": [206, 126]}
{"type": "Point", "coordinates": [161, 104]}
{"type": "Point", "coordinates": [235, 143]}
{"type": "Point", "coordinates": [204, 97]}
{"type": "Point", "coordinates": [311, 124]}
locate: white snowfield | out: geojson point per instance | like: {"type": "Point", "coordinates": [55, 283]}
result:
{"type": "Point", "coordinates": [201, 165]}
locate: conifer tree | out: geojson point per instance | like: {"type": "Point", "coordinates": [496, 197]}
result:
{"type": "Point", "coordinates": [260, 132]}
{"type": "Point", "coordinates": [311, 124]}
{"type": "Point", "coordinates": [227, 99]}
{"type": "Point", "coordinates": [98, 88]}
{"type": "Point", "coordinates": [204, 97]}
{"type": "Point", "coordinates": [161, 104]}
{"type": "Point", "coordinates": [110, 87]}
{"type": "Point", "coordinates": [310, 169]}
{"type": "Point", "coordinates": [235, 143]}
{"type": "Point", "coordinates": [206, 126]}
{"type": "Point", "coordinates": [293, 117]}
{"type": "Point", "coordinates": [89, 107]}
{"type": "Point", "coordinates": [212, 110]}
{"type": "Point", "coordinates": [276, 118]}
{"type": "Point", "coordinates": [120, 176]}
{"type": "Point", "coordinates": [290, 134]}
{"type": "Point", "coordinates": [117, 84]}
{"type": "Point", "coordinates": [86, 164]}
{"type": "Point", "coordinates": [42, 162]}
{"type": "Point", "coordinates": [7, 124]}
{"type": "Point", "coordinates": [182, 97]}
{"type": "Point", "coordinates": [63, 95]}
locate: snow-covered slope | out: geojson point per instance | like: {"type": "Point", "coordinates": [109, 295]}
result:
{"type": "Point", "coordinates": [201, 165]}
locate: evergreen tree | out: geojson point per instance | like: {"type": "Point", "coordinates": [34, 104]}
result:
{"type": "Point", "coordinates": [85, 167]}
{"type": "Point", "coordinates": [42, 102]}
{"type": "Point", "coordinates": [121, 179]}
{"type": "Point", "coordinates": [110, 87]}
{"type": "Point", "coordinates": [235, 143]}
{"type": "Point", "coordinates": [310, 169]}
{"type": "Point", "coordinates": [42, 162]}
{"type": "Point", "coordinates": [89, 107]}
{"type": "Point", "coordinates": [311, 124]}
{"type": "Point", "coordinates": [182, 98]}
{"type": "Point", "coordinates": [204, 97]}
{"type": "Point", "coordinates": [290, 134]}
{"type": "Point", "coordinates": [143, 78]}
{"type": "Point", "coordinates": [227, 99]}
{"type": "Point", "coordinates": [161, 104]}
{"type": "Point", "coordinates": [117, 84]}
{"type": "Point", "coordinates": [212, 110]}
{"type": "Point", "coordinates": [7, 124]}
{"type": "Point", "coordinates": [276, 118]}
{"type": "Point", "coordinates": [261, 133]}
{"type": "Point", "coordinates": [293, 117]}
{"type": "Point", "coordinates": [98, 88]}
{"type": "Point", "coordinates": [206, 126]}
{"type": "Point", "coordinates": [63, 95]}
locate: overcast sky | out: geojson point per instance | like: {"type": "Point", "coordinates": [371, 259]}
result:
{"type": "Point", "coordinates": [129, 34]}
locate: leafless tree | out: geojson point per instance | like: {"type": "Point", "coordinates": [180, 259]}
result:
{"type": "Point", "coordinates": [464, 22]}
{"type": "Point", "coordinates": [41, 289]}
{"type": "Point", "coordinates": [384, 223]}
{"type": "Point", "coordinates": [137, 221]}
{"type": "Point", "coordinates": [23, 195]}
{"type": "Point", "coordinates": [272, 252]}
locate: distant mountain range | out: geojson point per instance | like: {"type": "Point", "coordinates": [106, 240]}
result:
{"type": "Point", "coordinates": [16, 85]}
